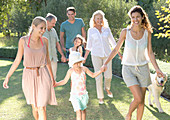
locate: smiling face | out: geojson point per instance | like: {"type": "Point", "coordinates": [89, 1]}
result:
{"type": "Point", "coordinates": [77, 42]}
{"type": "Point", "coordinates": [98, 19]}
{"type": "Point", "coordinates": [40, 29]}
{"type": "Point", "coordinates": [51, 24]}
{"type": "Point", "coordinates": [71, 15]}
{"type": "Point", "coordinates": [136, 19]}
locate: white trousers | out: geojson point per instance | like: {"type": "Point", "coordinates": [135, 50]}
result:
{"type": "Point", "coordinates": [97, 64]}
{"type": "Point", "coordinates": [54, 68]}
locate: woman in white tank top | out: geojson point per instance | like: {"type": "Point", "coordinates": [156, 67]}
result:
{"type": "Point", "coordinates": [137, 50]}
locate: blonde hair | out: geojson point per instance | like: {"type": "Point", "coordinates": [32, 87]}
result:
{"type": "Point", "coordinates": [98, 12]}
{"type": "Point", "coordinates": [36, 21]}
{"type": "Point", "coordinates": [145, 22]}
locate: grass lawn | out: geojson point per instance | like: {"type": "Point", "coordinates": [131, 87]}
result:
{"type": "Point", "coordinates": [13, 104]}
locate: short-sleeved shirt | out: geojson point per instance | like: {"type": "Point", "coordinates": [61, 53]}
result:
{"type": "Point", "coordinates": [52, 39]}
{"type": "Point", "coordinates": [71, 30]}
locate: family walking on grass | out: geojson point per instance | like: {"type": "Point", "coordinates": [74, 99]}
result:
{"type": "Point", "coordinates": [40, 60]}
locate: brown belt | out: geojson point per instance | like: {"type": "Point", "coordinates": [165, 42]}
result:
{"type": "Point", "coordinates": [35, 68]}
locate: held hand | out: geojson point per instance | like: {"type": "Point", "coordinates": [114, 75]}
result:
{"type": "Point", "coordinates": [121, 57]}
{"type": "Point", "coordinates": [84, 61]}
{"type": "Point", "coordinates": [159, 73]}
{"type": "Point", "coordinates": [64, 49]}
{"type": "Point", "coordinates": [5, 83]}
{"type": "Point", "coordinates": [55, 84]}
{"type": "Point", "coordinates": [103, 68]}
{"type": "Point", "coordinates": [63, 59]}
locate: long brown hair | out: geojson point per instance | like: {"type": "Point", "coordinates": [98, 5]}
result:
{"type": "Point", "coordinates": [145, 22]}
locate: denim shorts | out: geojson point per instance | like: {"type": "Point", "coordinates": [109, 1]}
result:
{"type": "Point", "coordinates": [139, 75]}
{"type": "Point", "coordinates": [79, 102]}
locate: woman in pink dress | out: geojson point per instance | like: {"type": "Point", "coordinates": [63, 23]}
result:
{"type": "Point", "coordinates": [37, 79]}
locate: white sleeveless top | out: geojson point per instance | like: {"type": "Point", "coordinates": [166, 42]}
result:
{"type": "Point", "coordinates": [135, 51]}
{"type": "Point", "coordinates": [73, 50]}
{"type": "Point", "coordinates": [78, 83]}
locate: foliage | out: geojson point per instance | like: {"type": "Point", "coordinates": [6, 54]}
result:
{"type": "Point", "coordinates": [115, 12]}
{"type": "Point", "coordinates": [5, 6]}
{"type": "Point", "coordinates": [164, 21]}
{"type": "Point", "coordinates": [8, 52]}
{"type": "Point", "coordinates": [161, 46]}
{"type": "Point", "coordinates": [56, 7]}
{"type": "Point", "coordinates": [21, 18]}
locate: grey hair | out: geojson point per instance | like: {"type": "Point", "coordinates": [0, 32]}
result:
{"type": "Point", "coordinates": [50, 16]}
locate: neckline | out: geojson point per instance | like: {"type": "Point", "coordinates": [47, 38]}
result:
{"type": "Point", "coordinates": [138, 39]}
{"type": "Point", "coordinates": [71, 23]}
{"type": "Point", "coordinates": [99, 31]}
{"type": "Point", "coordinates": [78, 73]}
{"type": "Point", "coordinates": [32, 48]}
{"type": "Point", "coordinates": [35, 49]}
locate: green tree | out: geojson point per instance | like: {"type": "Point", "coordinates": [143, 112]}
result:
{"type": "Point", "coordinates": [21, 18]}
{"type": "Point", "coordinates": [164, 21]}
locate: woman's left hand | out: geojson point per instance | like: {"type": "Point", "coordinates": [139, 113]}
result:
{"type": "Point", "coordinates": [159, 73]}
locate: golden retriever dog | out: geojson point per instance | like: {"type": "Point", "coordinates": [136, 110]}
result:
{"type": "Point", "coordinates": [156, 89]}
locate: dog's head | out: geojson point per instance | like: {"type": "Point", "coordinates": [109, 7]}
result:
{"type": "Point", "coordinates": [160, 81]}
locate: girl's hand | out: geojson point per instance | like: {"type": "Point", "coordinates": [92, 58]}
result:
{"type": "Point", "coordinates": [5, 83]}
{"type": "Point", "coordinates": [159, 73]}
{"type": "Point", "coordinates": [55, 85]}
{"type": "Point", "coordinates": [103, 68]}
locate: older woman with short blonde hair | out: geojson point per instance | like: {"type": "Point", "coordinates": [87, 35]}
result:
{"type": "Point", "coordinates": [99, 42]}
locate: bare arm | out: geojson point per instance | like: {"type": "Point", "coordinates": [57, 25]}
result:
{"type": "Point", "coordinates": [152, 56]}
{"type": "Point", "coordinates": [15, 63]}
{"type": "Point", "coordinates": [65, 80]}
{"type": "Point", "coordinates": [91, 74]}
{"type": "Point", "coordinates": [116, 49]}
{"type": "Point", "coordinates": [83, 35]}
{"type": "Point", "coordinates": [118, 46]}
{"type": "Point", "coordinates": [62, 40]}
{"type": "Point", "coordinates": [63, 59]}
{"type": "Point", "coordinates": [80, 50]}
{"type": "Point", "coordinates": [86, 55]}
{"type": "Point", "coordinates": [49, 62]}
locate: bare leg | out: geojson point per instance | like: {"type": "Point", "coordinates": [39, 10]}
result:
{"type": "Point", "coordinates": [140, 108]}
{"type": "Point", "coordinates": [137, 94]}
{"type": "Point", "coordinates": [83, 114]}
{"type": "Point", "coordinates": [35, 112]}
{"type": "Point", "coordinates": [108, 92]}
{"type": "Point", "coordinates": [42, 113]}
{"type": "Point", "coordinates": [78, 115]}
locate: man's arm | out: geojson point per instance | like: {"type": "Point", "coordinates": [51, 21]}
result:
{"type": "Point", "coordinates": [83, 32]}
{"type": "Point", "coordinates": [63, 59]}
{"type": "Point", "coordinates": [62, 40]}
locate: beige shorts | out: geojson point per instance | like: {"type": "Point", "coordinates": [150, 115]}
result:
{"type": "Point", "coordinates": [139, 75]}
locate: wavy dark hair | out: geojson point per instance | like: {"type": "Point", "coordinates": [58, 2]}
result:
{"type": "Point", "coordinates": [145, 22]}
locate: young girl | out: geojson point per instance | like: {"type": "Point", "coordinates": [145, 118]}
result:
{"type": "Point", "coordinates": [79, 95]}
{"type": "Point", "coordinates": [78, 42]}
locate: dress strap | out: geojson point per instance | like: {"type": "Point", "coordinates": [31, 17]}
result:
{"type": "Point", "coordinates": [41, 41]}
{"type": "Point", "coordinates": [30, 39]}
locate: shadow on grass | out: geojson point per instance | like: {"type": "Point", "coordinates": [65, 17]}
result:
{"type": "Point", "coordinates": [64, 110]}
{"type": "Point", "coordinates": [160, 116]}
